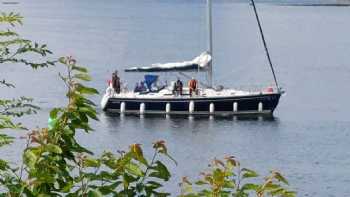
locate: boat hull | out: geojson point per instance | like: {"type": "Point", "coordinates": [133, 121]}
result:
{"type": "Point", "coordinates": [252, 104]}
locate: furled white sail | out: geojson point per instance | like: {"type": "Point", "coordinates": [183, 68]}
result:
{"type": "Point", "coordinates": [199, 63]}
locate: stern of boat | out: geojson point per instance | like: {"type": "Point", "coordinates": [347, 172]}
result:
{"type": "Point", "coordinates": [104, 101]}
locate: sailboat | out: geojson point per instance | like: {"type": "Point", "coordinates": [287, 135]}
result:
{"type": "Point", "coordinates": [209, 100]}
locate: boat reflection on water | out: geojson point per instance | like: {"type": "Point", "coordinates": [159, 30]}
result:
{"type": "Point", "coordinates": [178, 130]}
{"type": "Point", "coordinates": [109, 117]}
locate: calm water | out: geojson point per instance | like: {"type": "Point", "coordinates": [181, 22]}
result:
{"type": "Point", "coordinates": [308, 139]}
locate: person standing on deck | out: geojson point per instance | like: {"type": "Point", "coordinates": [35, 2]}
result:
{"type": "Point", "coordinates": [143, 87]}
{"type": "Point", "coordinates": [174, 88]}
{"type": "Point", "coordinates": [116, 82]}
{"type": "Point", "coordinates": [179, 86]}
{"type": "Point", "coordinates": [192, 85]}
{"type": "Point", "coordinates": [137, 87]}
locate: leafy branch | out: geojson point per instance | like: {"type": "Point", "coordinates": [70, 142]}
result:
{"type": "Point", "coordinates": [15, 50]}
{"type": "Point", "coordinates": [11, 19]}
{"type": "Point", "coordinates": [17, 107]}
{"type": "Point", "coordinates": [227, 178]}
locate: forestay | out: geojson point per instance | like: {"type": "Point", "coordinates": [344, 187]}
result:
{"type": "Point", "coordinates": [200, 63]}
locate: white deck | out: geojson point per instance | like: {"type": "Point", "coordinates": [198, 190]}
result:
{"type": "Point", "coordinates": [168, 94]}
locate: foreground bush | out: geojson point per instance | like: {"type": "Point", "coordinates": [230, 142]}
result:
{"type": "Point", "coordinates": [227, 178]}
{"type": "Point", "coordinates": [55, 164]}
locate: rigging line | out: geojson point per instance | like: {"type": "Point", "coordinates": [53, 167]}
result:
{"type": "Point", "coordinates": [265, 45]}
{"type": "Point", "coordinates": [210, 42]}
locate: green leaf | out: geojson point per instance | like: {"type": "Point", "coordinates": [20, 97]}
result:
{"type": "Point", "coordinates": [29, 158]}
{"type": "Point", "coordinates": [271, 186]}
{"type": "Point", "coordinates": [3, 165]}
{"type": "Point", "coordinates": [218, 175]}
{"type": "Point", "coordinates": [128, 179]}
{"type": "Point", "coordinates": [250, 186]}
{"type": "Point", "coordinates": [94, 193]}
{"type": "Point", "coordinates": [137, 153]}
{"type": "Point", "coordinates": [53, 148]}
{"type": "Point", "coordinates": [67, 187]}
{"type": "Point", "coordinates": [107, 189]}
{"type": "Point", "coordinates": [247, 173]}
{"type": "Point", "coordinates": [160, 171]}
{"type": "Point", "coordinates": [5, 139]}
{"type": "Point", "coordinates": [277, 192]}
{"type": "Point", "coordinates": [200, 182]}
{"type": "Point", "coordinates": [279, 177]}
{"type": "Point", "coordinates": [229, 184]}
{"type": "Point", "coordinates": [80, 69]}
{"type": "Point", "coordinates": [83, 117]}
{"type": "Point", "coordinates": [86, 90]}
{"type": "Point", "coordinates": [10, 18]}
{"type": "Point", "coordinates": [54, 112]}
{"type": "Point", "coordinates": [82, 76]}
{"type": "Point", "coordinates": [62, 60]}
{"type": "Point", "coordinates": [289, 194]}
{"type": "Point", "coordinates": [91, 162]}
{"type": "Point", "coordinates": [89, 111]}
{"type": "Point", "coordinates": [5, 83]}
{"type": "Point", "coordinates": [134, 169]}
{"type": "Point", "coordinates": [51, 123]}
{"type": "Point", "coordinates": [153, 185]}
{"type": "Point", "coordinates": [8, 33]}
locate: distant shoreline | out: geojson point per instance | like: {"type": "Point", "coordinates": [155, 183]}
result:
{"type": "Point", "coordinates": [278, 4]}
{"type": "Point", "coordinates": [314, 4]}
{"type": "Point", "coordinates": [10, 2]}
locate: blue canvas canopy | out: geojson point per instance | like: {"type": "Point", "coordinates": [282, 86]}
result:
{"type": "Point", "coordinates": [150, 79]}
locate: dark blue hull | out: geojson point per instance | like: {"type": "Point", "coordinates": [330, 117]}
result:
{"type": "Point", "coordinates": [253, 104]}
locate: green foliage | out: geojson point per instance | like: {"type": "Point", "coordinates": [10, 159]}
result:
{"type": "Point", "coordinates": [51, 156]}
{"type": "Point", "coordinates": [13, 47]}
{"type": "Point", "coordinates": [5, 83]}
{"type": "Point", "coordinates": [55, 164]}
{"type": "Point", "coordinates": [227, 178]}
{"type": "Point", "coordinates": [13, 50]}
{"type": "Point", "coordinates": [11, 19]}
{"type": "Point", "coordinates": [17, 107]}
{"type": "Point", "coordinates": [5, 140]}
{"type": "Point", "coordinates": [126, 174]}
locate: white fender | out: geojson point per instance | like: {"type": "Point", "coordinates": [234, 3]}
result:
{"type": "Point", "coordinates": [260, 107]}
{"type": "Point", "coordinates": [122, 107]}
{"type": "Point", "coordinates": [191, 107]}
{"type": "Point", "coordinates": [235, 107]}
{"type": "Point", "coordinates": [211, 108]}
{"type": "Point", "coordinates": [167, 108]}
{"type": "Point", "coordinates": [142, 108]}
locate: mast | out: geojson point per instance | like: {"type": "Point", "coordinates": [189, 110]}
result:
{"type": "Point", "coordinates": [265, 45]}
{"type": "Point", "coordinates": [210, 42]}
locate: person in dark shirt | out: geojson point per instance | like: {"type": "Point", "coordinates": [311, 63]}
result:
{"type": "Point", "coordinates": [179, 86]}
{"type": "Point", "coordinates": [143, 87]}
{"type": "Point", "coordinates": [116, 82]}
{"type": "Point", "coordinates": [174, 88]}
{"type": "Point", "coordinates": [137, 88]}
